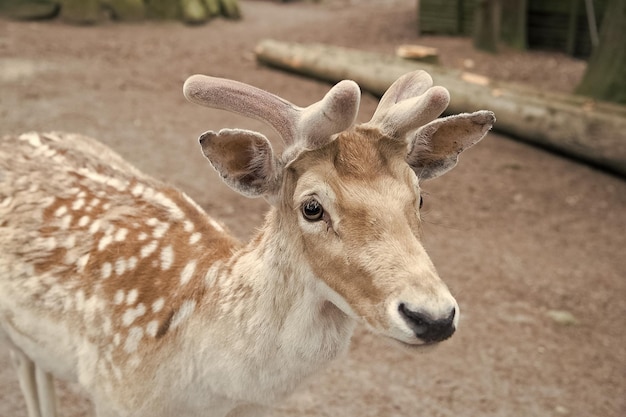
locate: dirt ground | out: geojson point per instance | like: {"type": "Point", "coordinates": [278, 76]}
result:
{"type": "Point", "coordinates": [523, 237]}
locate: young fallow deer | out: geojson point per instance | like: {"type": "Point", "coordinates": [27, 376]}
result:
{"type": "Point", "coordinates": [123, 284]}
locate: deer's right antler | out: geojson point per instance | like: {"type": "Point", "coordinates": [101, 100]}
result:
{"type": "Point", "coordinates": [310, 127]}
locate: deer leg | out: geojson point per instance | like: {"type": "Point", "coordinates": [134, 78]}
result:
{"type": "Point", "coordinates": [45, 393]}
{"type": "Point", "coordinates": [26, 376]}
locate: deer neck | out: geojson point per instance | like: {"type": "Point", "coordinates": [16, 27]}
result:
{"type": "Point", "coordinates": [269, 291]}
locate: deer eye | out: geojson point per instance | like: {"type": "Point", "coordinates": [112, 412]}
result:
{"type": "Point", "coordinates": [312, 210]}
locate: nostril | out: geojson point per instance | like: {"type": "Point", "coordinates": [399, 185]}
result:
{"type": "Point", "coordinates": [427, 328]}
{"type": "Point", "coordinates": [417, 321]}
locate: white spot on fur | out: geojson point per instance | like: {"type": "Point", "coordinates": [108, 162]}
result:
{"type": "Point", "coordinates": [158, 305]}
{"type": "Point", "coordinates": [132, 296]}
{"type": "Point", "coordinates": [106, 206]}
{"type": "Point", "coordinates": [152, 221]}
{"type": "Point", "coordinates": [94, 202]}
{"type": "Point", "coordinates": [6, 202]}
{"type": "Point", "coordinates": [83, 221]}
{"type": "Point", "coordinates": [106, 270]}
{"type": "Point", "coordinates": [167, 257]}
{"type": "Point", "coordinates": [187, 273]}
{"type": "Point", "coordinates": [186, 309]}
{"type": "Point", "coordinates": [60, 211]}
{"type": "Point", "coordinates": [70, 257]}
{"type": "Point", "coordinates": [195, 238]}
{"type": "Point", "coordinates": [159, 230]}
{"type": "Point", "coordinates": [175, 211]}
{"type": "Point", "coordinates": [188, 226]}
{"type": "Point", "coordinates": [104, 242]}
{"type": "Point", "coordinates": [120, 266]}
{"type": "Point", "coordinates": [117, 339]}
{"type": "Point", "coordinates": [142, 236]}
{"type": "Point", "coordinates": [82, 263]}
{"type": "Point", "coordinates": [152, 328]}
{"type": "Point", "coordinates": [117, 184]}
{"type": "Point", "coordinates": [120, 235]}
{"type": "Point", "coordinates": [95, 226]}
{"type": "Point", "coordinates": [78, 204]}
{"type": "Point", "coordinates": [132, 340]}
{"type": "Point", "coordinates": [138, 190]}
{"type": "Point", "coordinates": [131, 263]}
{"type": "Point", "coordinates": [148, 249]}
{"type": "Point", "coordinates": [65, 222]}
{"type": "Point", "coordinates": [216, 225]}
{"type": "Point", "coordinates": [119, 297]}
{"type": "Point", "coordinates": [132, 313]}
{"type": "Point", "coordinates": [32, 139]}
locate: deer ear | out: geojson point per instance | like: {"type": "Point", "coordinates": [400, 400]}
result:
{"type": "Point", "coordinates": [244, 159]}
{"type": "Point", "coordinates": [436, 146]}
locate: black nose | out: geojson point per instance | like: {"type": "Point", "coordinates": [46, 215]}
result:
{"type": "Point", "coordinates": [425, 327]}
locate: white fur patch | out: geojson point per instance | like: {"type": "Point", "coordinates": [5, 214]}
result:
{"type": "Point", "coordinates": [152, 328]}
{"type": "Point", "coordinates": [194, 238]}
{"type": "Point", "coordinates": [60, 211]}
{"type": "Point", "coordinates": [95, 226]}
{"type": "Point", "coordinates": [133, 313]}
{"type": "Point", "coordinates": [148, 249]}
{"type": "Point", "coordinates": [167, 257]}
{"type": "Point", "coordinates": [104, 242]}
{"type": "Point", "coordinates": [65, 222]}
{"type": "Point", "coordinates": [187, 273]}
{"type": "Point", "coordinates": [119, 297]}
{"type": "Point", "coordinates": [106, 270]}
{"type": "Point", "coordinates": [83, 221]}
{"type": "Point", "coordinates": [78, 204]}
{"type": "Point", "coordinates": [82, 263]}
{"type": "Point", "coordinates": [132, 296]}
{"type": "Point", "coordinates": [120, 266]}
{"type": "Point", "coordinates": [120, 235]}
{"type": "Point", "coordinates": [158, 305]}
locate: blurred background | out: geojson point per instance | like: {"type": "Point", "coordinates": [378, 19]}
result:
{"type": "Point", "coordinates": [528, 230]}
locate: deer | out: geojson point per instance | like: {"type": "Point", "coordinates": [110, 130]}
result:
{"type": "Point", "coordinates": [124, 285]}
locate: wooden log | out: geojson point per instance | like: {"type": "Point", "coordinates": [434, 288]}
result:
{"type": "Point", "coordinates": [418, 53]}
{"type": "Point", "coordinates": [588, 130]}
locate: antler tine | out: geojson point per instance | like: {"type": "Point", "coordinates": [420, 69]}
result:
{"type": "Point", "coordinates": [246, 100]}
{"type": "Point", "coordinates": [408, 104]}
{"type": "Point", "coordinates": [335, 113]}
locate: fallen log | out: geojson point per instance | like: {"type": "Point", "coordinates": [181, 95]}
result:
{"type": "Point", "coordinates": [576, 126]}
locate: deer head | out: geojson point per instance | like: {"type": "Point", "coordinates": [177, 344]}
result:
{"type": "Point", "coordinates": [348, 196]}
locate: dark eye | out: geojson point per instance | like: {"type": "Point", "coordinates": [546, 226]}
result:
{"type": "Point", "coordinates": [312, 210]}
{"type": "Point", "coordinates": [421, 201]}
